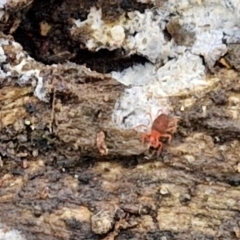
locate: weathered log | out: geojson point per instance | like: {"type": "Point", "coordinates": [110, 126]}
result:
{"type": "Point", "coordinates": [80, 106]}
{"type": "Point", "coordinates": [193, 194]}
{"type": "Point", "coordinates": [68, 171]}
{"type": "Point", "coordinates": [174, 197]}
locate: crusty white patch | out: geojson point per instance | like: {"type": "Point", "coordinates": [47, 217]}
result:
{"type": "Point", "coordinates": [152, 87]}
{"type": "Point", "coordinates": [10, 234]}
{"type": "Point", "coordinates": [2, 3]}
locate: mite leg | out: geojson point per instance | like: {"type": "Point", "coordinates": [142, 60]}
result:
{"type": "Point", "coordinates": [141, 125]}
{"type": "Point", "coordinates": [173, 125]}
{"type": "Point", "coordinates": [172, 130]}
{"type": "Point", "coordinates": [148, 113]}
{"type": "Point", "coordinates": [156, 143]}
{"type": "Point", "coordinates": [159, 149]}
{"type": "Point", "coordinates": [145, 138]}
{"type": "Point", "coordinates": [168, 136]}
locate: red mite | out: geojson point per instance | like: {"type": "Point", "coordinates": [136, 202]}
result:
{"type": "Point", "coordinates": [163, 126]}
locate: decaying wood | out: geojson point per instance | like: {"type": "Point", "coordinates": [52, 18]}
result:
{"type": "Point", "coordinates": [80, 107]}
{"type": "Point", "coordinates": [67, 172]}
{"type": "Point", "coordinates": [191, 191]}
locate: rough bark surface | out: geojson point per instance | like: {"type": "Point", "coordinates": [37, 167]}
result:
{"type": "Point", "coordinates": [55, 183]}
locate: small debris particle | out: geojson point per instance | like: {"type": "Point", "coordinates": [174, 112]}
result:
{"type": "Point", "coordinates": [15, 25]}
{"type": "Point", "coordinates": [106, 98]}
{"type": "Point", "coordinates": [32, 127]}
{"type": "Point", "coordinates": [237, 231]}
{"type": "Point", "coordinates": [204, 109]}
{"type": "Point", "coordinates": [101, 145]}
{"type": "Point", "coordinates": [35, 153]}
{"type": "Point", "coordinates": [217, 139]}
{"type": "Point", "coordinates": [1, 162]}
{"type": "Point", "coordinates": [164, 191]}
{"type": "Point", "coordinates": [44, 193]}
{"type": "Point", "coordinates": [12, 184]}
{"type": "Point", "coordinates": [189, 158]}
{"type": "Point", "coordinates": [225, 63]}
{"type": "Point", "coordinates": [131, 208]}
{"type": "Point", "coordinates": [44, 28]}
{"type": "Point", "coordinates": [102, 222]}
{"type": "Point", "coordinates": [238, 167]}
{"type": "Point", "coordinates": [22, 154]}
{"type": "Point", "coordinates": [27, 122]}
{"type": "Point", "coordinates": [24, 163]}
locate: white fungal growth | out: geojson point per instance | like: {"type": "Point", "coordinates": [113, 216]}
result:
{"type": "Point", "coordinates": [139, 33]}
{"type": "Point", "coordinates": [30, 75]}
{"type": "Point", "coordinates": [6, 233]}
{"type": "Point", "coordinates": [146, 36]}
{"type": "Point", "coordinates": [152, 87]}
{"type": "Point", "coordinates": [2, 3]}
{"type": "Point", "coordinates": [136, 75]}
{"type": "Point", "coordinates": [212, 22]}
{"type": "Point", "coordinates": [210, 50]}
{"type": "Point", "coordinates": [102, 34]}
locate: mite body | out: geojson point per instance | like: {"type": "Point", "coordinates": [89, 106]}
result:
{"type": "Point", "coordinates": [163, 126]}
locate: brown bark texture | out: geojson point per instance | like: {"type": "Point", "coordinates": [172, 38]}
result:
{"type": "Point", "coordinates": [67, 172]}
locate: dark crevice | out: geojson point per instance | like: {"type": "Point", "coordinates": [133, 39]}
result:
{"type": "Point", "coordinates": [57, 46]}
{"type": "Point", "coordinates": [106, 61]}
{"type": "Point", "coordinates": [167, 35]}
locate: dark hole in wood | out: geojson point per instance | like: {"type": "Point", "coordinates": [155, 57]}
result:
{"type": "Point", "coordinates": [58, 46]}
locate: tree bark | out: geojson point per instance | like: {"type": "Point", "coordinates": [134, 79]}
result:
{"type": "Point", "coordinates": [68, 172]}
